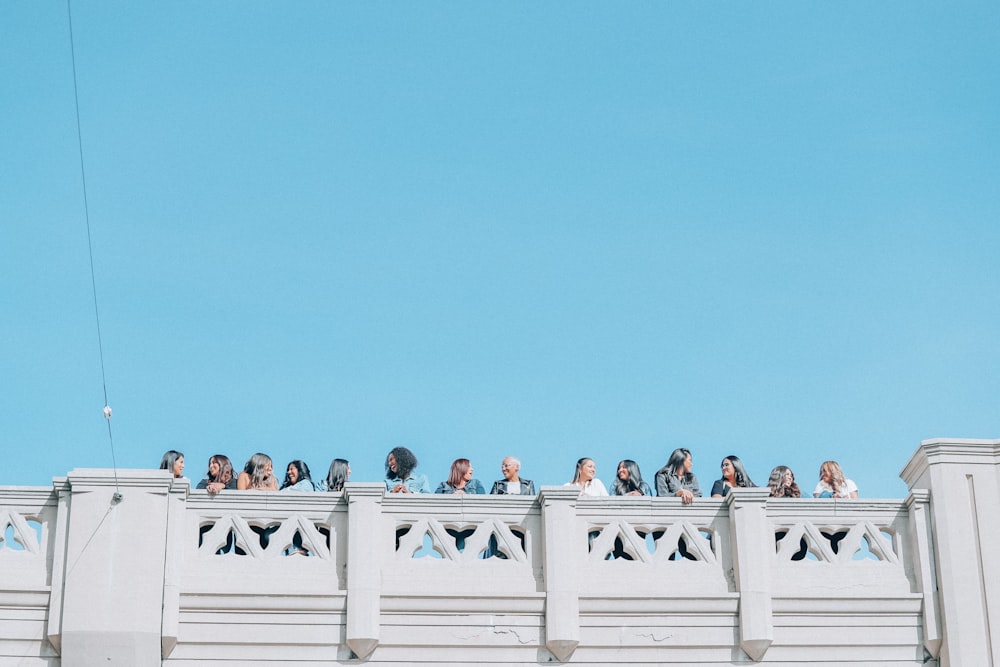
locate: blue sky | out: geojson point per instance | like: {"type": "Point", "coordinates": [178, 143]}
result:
{"type": "Point", "coordinates": [571, 229]}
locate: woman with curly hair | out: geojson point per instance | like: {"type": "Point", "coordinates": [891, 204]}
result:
{"type": "Point", "coordinates": [833, 484]}
{"type": "Point", "coordinates": [219, 476]}
{"type": "Point", "coordinates": [733, 475]}
{"type": "Point", "coordinates": [629, 481]}
{"type": "Point", "coordinates": [782, 483]}
{"type": "Point", "coordinates": [399, 473]}
{"type": "Point", "coordinates": [297, 477]}
{"type": "Point", "coordinates": [258, 474]}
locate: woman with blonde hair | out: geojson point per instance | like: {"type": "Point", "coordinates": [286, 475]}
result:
{"type": "Point", "coordinates": [258, 474]}
{"type": "Point", "coordinates": [833, 484]}
{"type": "Point", "coordinates": [585, 478]}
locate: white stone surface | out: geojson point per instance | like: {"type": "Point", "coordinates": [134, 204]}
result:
{"type": "Point", "coordinates": [173, 576]}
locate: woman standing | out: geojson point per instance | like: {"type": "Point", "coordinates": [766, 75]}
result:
{"type": "Point", "coordinates": [337, 476]}
{"type": "Point", "coordinates": [833, 484]}
{"type": "Point", "coordinates": [733, 475]}
{"type": "Point", "coordinates": [460, 480]}
{"type": "Point", "coordinates": [399, 473]}
{"type": "Point", "coordinates": [676, 478]}
{"type": "Point", "coordinates": [585, 478]}
{"type": "Point", "coordinates": [629, 481]}
{"type": "Point", "coordinates": [258, 474]}
{"type": "Point", "coordinates": [297, 477]}
{"type": "Point", "coordinates": [219, 476]}
{"type": "Point", "coordinates": [782, 483]}
{"type": "Point", "coordinates": [173, 461]}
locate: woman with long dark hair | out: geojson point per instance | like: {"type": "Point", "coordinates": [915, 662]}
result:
{"type": "Point", "coordinates": [629, 480]}
{"type": "Point", "coordinates": [297, 477]}
{"type": "Point", "coordinates": [733, 475]}
{"type": "Point", "coordinates": [676, 478]}
{"type": "Point", "coordinates": [337, 476]}
{"type": "Point", "coordinates": [173, 461]}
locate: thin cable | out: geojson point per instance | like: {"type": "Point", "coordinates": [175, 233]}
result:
{"type": "Point", "coordinates": [90, 245]}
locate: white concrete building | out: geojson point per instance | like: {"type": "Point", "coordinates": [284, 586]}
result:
{"type": "Point", "coordinates": [169, 575]}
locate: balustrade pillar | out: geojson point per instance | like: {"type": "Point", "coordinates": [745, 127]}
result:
{"type": "Point", "coordinates": [365, 544]}
{"type": "Point", "coordinates": [964, 484]}
{"type": "Point", "coordinates": [565, 545]}
{"type": "Point", "coordinates": [112, 567]}
{"type": "Point", "coordinates": [753, 554]}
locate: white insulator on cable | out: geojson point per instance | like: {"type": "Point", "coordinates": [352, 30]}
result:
{"type": "Point", "coordinates": [107, 412]}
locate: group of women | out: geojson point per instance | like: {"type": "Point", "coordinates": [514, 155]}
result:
{"type": "Point", "coordinates": [258, 474]}
{"type": "Point", "coordinates": [673, 479]}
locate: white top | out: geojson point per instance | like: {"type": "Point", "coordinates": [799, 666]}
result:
{"type": "Point", "coordinates": [849, 488]}
{"type": "Point", "coordinates": [594, 487]}
{"type": "Point", "coordinates": [513, 488]}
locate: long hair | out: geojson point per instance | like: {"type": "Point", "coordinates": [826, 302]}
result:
{"type": "Point", "coordinates": [777, 484]}
{"type": "Point", "coordinates": [337, 476]}
{"type": "Point", "coordinates": [225, 469]}
{"type": "Point", "coordinates": [406, 461]}
{"type": "Point", "coordinates": [303, 473]}
{"type": "Point", "coordinates": [676, 462]}
{"type": "Point", "coordinates": [169, 459]}
{"type": "Point", "coordinates": [837, 481]}
{"type": "Point", "coordinates": [739, 472]}
{"type": "Point", "coordinates": [458, 470]}
{"type": "Point", "coordinates": [256, 467]}
{"type": "Point", "coordinates": [579, 467]}
{"type": "Point", "coordinates": [634, 481]}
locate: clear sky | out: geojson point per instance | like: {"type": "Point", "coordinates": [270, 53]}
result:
{"type": "Point", "coordinates": [551, 230]}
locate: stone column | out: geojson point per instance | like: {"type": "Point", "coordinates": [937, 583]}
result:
{"type": "Point", "coordinates": [365, 541]}
{"type": "Point", "coordinates": [564, 545]}
{"type": "Point", "coordinates": [112, 567]}
{"type": "Point", "coordinates": [963, 477]}
{"type": "Point", "coordinates": [753, 556]}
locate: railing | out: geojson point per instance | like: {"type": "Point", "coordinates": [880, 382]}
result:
{"type": "Point", "coordinates": [387, 579]}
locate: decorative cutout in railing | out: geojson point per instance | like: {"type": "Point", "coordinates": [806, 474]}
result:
{"type": "Point", "coordinates": [234, 536]}
{"type": "Point", "coordinates": [861, 541]}
{"type": "Point", "coordinates": [19, 533]}
{"type": "Point", "coordinates": [462, 543]}
{"type": "Point", "coordinates": [619, 540]}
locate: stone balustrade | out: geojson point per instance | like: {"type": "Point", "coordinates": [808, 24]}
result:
{"type": "Point", "coordinates": [138, 569]}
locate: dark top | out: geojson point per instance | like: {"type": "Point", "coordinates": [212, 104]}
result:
{"type": "Point", "coordinates": [720, 487]}
{"type": "Point", "coordinates": [668, 484]}
{"type": "Point", "coordinates": [203, 484]}
{"type": "Point", "coordinates": [500, 487]}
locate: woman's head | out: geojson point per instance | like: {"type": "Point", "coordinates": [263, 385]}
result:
{"type": "Point", "coordinates": [585, 471]}
{"type": "Point", "coordinates": [338, 475]}
{"type": "Point", "coordinates": [461, 472]}
{"type": "Point", "coordinates": [259, 468]}
{"type": "Point", "coordinates": [220, 469]}
{"type": "Point", "coordinates": [400, 463]}
{"type": "Point", "coordinates": [296, 472]}
{"type": "Point", "coordinates": [831, 475]}
{"type": "Point", "coordinates": [679, 462]}
{"type": "Point", "coordinates": [629, 477]}
{"type": "Point", "coordinates": [173, 461]}
{"type": "Point", "coordinates": [735, 473]}
{"type": "Point", "coordinates": [782, 483]}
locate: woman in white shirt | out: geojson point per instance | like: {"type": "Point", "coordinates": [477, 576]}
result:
{"type": "Point", "coordinates": [585, 479]}
{"type": "Point", "coordinates": [833, 484]}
